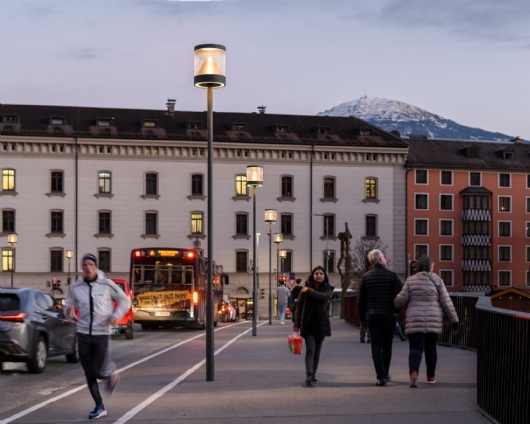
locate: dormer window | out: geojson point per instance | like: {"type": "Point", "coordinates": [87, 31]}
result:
{"type": "Point", "coordinates": [150, 123]}
{"type": "Point", "coordinates": [366, 132]}
{"type": "Point", "coordinates": [10, 119]}
{"type": "Point", "coordinates": [239, 127]}
{"type": "Point", "coordinates": [508, 155]}
{"type": "Point", "coordinates": [57, 121]}
{"type": "Point", "coordinates": [472, 152]}
{"type": "Point", "coordinates": [281, 129]}
{"type": "Point", "coordinates": [324, 130]}
{"type": "Point", "coordinates": [194, 125]}
{"type": "Point", "coordinates": [104, 122]}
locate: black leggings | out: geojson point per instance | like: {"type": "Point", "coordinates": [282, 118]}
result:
{"type": "Point", "coordinates": [92, 351]}
{"type": "Point", "coordinates": [419, 342]}
{"type": "Point", "coordinates": [313, 345]}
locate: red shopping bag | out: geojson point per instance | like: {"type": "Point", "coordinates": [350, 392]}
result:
{"type": "Point", "coordinates": [294, 342]}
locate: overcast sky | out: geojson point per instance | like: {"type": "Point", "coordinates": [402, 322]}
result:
{"type": "Point", "coordinates": [466, 60]}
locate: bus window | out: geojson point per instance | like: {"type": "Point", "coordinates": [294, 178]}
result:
{"type": "Point", "coordinates": [176, 275]}
{"type": "Point", "coordinates": [163, 274]}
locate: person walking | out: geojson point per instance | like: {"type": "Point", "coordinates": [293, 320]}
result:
{"type": "Point", "coordinates": [312, 319]}
{"type": "Point", "coordinates": [282, 294]}
{"type": "Point", "coordinates": [93, 297]}
{"type": "Point", "coordinates": [426, 296]}
{"type": "Point", "coordinates": [379, 287]}
{"type": "Point", "coordinates": [295, 293]}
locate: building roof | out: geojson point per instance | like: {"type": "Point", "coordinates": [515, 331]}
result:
{"type": "Point", "coordinates": [462, 154]}
{"type": "Point", "coordinates": [35, 120]}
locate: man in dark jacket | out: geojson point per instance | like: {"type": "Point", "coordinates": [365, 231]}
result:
{"type": "Point", "coordinates": [379, 287]}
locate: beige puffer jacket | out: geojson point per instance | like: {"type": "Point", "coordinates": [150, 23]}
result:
{"type": "Point", "coordinates": [424, 311]}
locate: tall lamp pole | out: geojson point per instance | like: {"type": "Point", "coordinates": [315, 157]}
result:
{"type": "Point", "coordinates": [254, 180]}
{"type": "Point", "coordinates": [270, 217]}
{"type": "Point", "coordinates": [69, 255]}
{"type": "Point", "coordinates": [278, 239]}
{"type": "Point", "coordinates": [12, 240]}
{"type": "Point", "coordinates": [210, 72]}
{"type": "Point", "coordinates": [326, 234]}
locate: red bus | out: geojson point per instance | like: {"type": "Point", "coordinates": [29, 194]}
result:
{"type": "Point", "coordinates": [169, 287]}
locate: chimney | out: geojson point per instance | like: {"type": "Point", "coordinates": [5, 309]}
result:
{"type": "Point", "coordinates": [262, 109]}
{"type": "Point", "coordinates": [517, 140]}
{"type": "Point", "coordinates": [171, 105]}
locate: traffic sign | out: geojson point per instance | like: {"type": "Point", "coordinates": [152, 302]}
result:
{"type": "Point", "coordinates": [292, 278]}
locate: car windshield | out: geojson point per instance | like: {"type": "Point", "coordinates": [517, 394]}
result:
{"type": "Point", "coordinates": [121, 286]}
{"type": "Point", "coordinates": [9, 302]}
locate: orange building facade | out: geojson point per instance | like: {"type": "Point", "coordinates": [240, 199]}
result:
{"type": "Point", "coordinates": [468, 207]}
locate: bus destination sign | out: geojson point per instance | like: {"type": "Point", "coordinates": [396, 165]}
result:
{"type": "Point", "coordinates": [168, 253]}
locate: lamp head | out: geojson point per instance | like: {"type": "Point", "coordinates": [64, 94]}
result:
{"type": "Point", "coordinates": [12, 239]}
{"type": "Point", "coordinates": [254, 175]}
{"type": "Point", "coordinates": [283, 254]}
{"type": "Point", "coordinates": [210, 66]}
{"type": "Point", "coordinates": [278, 238]}
{"type": "Point", "coordinates": [69, 254]}
{"type": "Point", "coordinates": [270, 215]}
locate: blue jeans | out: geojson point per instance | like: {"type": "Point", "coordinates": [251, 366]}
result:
{"type": "Point", "coordinates": [282, 308]}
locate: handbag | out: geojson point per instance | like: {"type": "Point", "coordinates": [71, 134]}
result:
{"type": "Point", "coordinates": [294, 341]}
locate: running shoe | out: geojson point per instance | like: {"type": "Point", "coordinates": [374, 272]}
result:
{"type": "Point", "coordinates": [98, 412]}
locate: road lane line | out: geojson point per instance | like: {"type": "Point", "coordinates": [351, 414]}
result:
{"type": "Point", "coordinates": [165, 389]}
{"type": "Point", "coordinates": [71, 392]}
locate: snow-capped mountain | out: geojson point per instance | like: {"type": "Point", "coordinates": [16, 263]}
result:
{"type": "Point", "coordinates": [407, 119]}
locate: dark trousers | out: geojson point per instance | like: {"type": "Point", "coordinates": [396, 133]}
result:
{"type": "Point", "coordinates": [382, 335]}
{"type": "Point", "coordinates": [419, 342]}
{"type": "Point", "coordinates": [92, 351]}
{"type": "Point", "coordinates": [313, 345]}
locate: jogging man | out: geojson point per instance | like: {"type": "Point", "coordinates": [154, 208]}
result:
{"type": "Point", "coordinates": [92, 297]}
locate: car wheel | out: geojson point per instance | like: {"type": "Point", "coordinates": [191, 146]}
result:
{"type": "Point", "coordinates": [37, 364]}
{"type": "Point", "coordinates": [129, 334]}
{"type": "Point", "coordinates": [73, 357]}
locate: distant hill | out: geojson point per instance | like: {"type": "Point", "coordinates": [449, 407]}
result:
{"type": "Point", "coordinates": [407, 119]}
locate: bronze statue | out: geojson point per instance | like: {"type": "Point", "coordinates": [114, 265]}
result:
{"type": "Point", "coordinates": [346, 259]}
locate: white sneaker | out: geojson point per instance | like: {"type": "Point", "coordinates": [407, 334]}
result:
{"type": "Point", "coordinates": [282, 323]}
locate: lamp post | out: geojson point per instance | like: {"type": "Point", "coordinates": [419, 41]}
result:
{"type": "Point", "coordinates": [254, 180]}
{"type": "Point", "coordinates": [326, 233]}
{"type": "Point", "coordinates": [283, 255]}
{"type": "Point", "coordinates": [12, 240]}
{"type": "Point", "coordinates": [69, 255]}
{"type": "Point", "coordinates": [210, 72]}
{"type": "Point", "coordinates": [270, 217]}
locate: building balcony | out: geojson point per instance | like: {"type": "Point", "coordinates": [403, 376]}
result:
{"type": "Point", "coordinates": [476, 265]}
{"type": "Point", "coordinates": [476, 215]}
{"type": "Point", "coordinates": [476, 240]}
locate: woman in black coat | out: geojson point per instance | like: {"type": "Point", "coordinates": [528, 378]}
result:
{"type": "Point", "coordinates": [312, 319]}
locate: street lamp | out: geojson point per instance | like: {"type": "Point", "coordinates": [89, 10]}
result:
{"type": "Point", "coordinates": [270, 217]}
{"type": "Point", "coordinates": [283, 255]}
{"type": "Point", "coordinates": [326, 233]}
{"type": "Point", "coordinates": [69, 255]}
{"type": "Point", "coordinates": [210, 72]}
{"type": "Point", "coordinates": [12, 240]}
{"type": "Point", "coordinates": [278, 239]}
{"type": "Point", "coordinates": [254, 180]}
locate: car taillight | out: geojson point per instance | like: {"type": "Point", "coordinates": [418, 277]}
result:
{"type": "Point", "coordinates": [195, 297]}
{"type": "Point", "coordinates": [13, 318]}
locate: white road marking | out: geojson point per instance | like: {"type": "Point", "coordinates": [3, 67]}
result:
{"type": "Point", "coordinates": [71, 392]}
{"type": "Point", "coordinates": [158, 394]}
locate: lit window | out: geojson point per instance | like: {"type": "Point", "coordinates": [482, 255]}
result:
{"type": "Point", "coordinates": [196, 223]}
{"type": "Point", "coordinates": [7, 260]}
{"type": "Point", "coordinates": [371, 188]}
{"type": "Point", "coordinates": [8, 180]}
{"type": "Point", "coordinates": [505, 204]}
{"type": "Point", "coordinates": [104, 182]}
{"type": "Point", "coordinates": [241, 185]}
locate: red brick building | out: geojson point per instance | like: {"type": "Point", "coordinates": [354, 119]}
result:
{"type": "Point", "coordinates": [468, 207]}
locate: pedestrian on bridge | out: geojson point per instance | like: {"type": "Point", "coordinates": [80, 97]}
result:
{"type": "Point", "coordinates": [93, 297]}
{"type": "Point", "coordinates": [426, 296]}
{"type": "Point", "coordinates": [379, 288]}
{"type": "Point", "coordinates": [282, 294]}
{"type": "Point", "coordinates": [312, 319]}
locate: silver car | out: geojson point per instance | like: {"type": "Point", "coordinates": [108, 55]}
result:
{"type": "Point", "coordinates": [33, 328]}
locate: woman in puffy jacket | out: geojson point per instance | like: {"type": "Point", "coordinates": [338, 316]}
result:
{"type": "Point", "coordinates": [426, 296]}
{"type": "Point", "coordinates": [312, 319]}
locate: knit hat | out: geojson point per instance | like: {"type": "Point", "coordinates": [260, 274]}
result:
{"type": "Point", "coordinates": [90, 257]}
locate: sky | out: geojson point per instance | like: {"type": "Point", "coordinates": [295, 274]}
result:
{"type": "Point", "coordinates": [465, 60]}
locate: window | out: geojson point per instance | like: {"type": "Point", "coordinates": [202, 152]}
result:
{"type": "Point", "coordinates": [446, 178]}
{"type": "Point", "coordinates": [508, 155]}
{"type": "Point", "coordinates": [446, 202]}
{"type": "Point", "coordinates": [421, 176]}
{"type": "Point", "coordinates": [528, 205]}
{"type": "Point", "coordinates": [8, 180]}
{"type": "Point", "coordinates": [57, 121]}
{"type": "Point", "coordinates": [527, 253]}
{"type": "Point", "coordinates": [505, 229]}
{"type": "Point", "coordinates": [323, 130]}
{"type": "Point", "coordinates": [287, 265]}
{"type": "Point", "coordinates": [446, 227]}
{"type": "Point", "coordinates": [104, 122]}
{"type": "Point", "coordinates": [421, 227]}
{"type": "Point", "coordinates": [330, 261]}
{"type": "Point", "coordinates": [151, 184]}
{"type": "Point", "coordinates": [474, 179]}
{"type": "Point", "coordinates": [446, 252]}
{"type": "Point", "coordinates": [282, 128]}
{"type": "Point", "coordinates": [371, 188]}
{"type": "Point", "coordinates": [365, 132]}
{"type": "Point", "coordinates": [241, 185]}
{"type": "Point", "coordinates": [527, 278]}
{"type": "Point", "coordinates": [104, 182]}
{"type": "Point", "coordinates": [329, 187]}
{"type": "Point", "coordinates": [476, 277]}
{"type": "Point", "coordinates": [504, 180]}
{"type": "Point", "coordinates": [447, 276]}
{"type": "Point", "coordinates": [505, 204]}
{"type": "Point", "coordinates": [7, 260]}
{"type": "Point", "coordinates": [150, 123]}
{"type": "Point", "coordinates": [422, 201]}
{"type": "Point", "coordinates": [505, 278]}
{"type": "Point", "coordinates": [196, 222]}
{"type": "Point", "coordinates": [104, 260]}
{"type": "Point", "coordinates": [8, 221]}
{"type": "Point", "coordinates": [57, 222]}
{"type": "Point", "coordinates": [238, 127]}
{"type": "Point", "coordinates": [241, 224]}
{"type": "Point", "coordinates": [476, 202]}
{"type": "Point", "coordinates": [420, 250]}
{"type": "Point", "coordinates": [528, 181]}
{"type": "Point", "coordinates": [287, 224]}
{"type": "Point", "coordinates": [527, 229]}
{"type": "Point", "coordinates": [196, 184]}
{"type": "Point", "coordinates": [241, 260]}
{"type": "Point", "coordinates": [104, 222]}
{"type": "Point", "coordinates": [476, 227]}
{"type": "Point", "coordinates": [329, 225]}
{"type": "Point", "coordinates": [56, 261]}
{"type": "Point", "coordinates": [57, 182]}
{"type": "Point", "coordinates": [505, 253]}
{"type": "Point", "coordinates": [370, 226]}
{"type": "Point", "coordinates": [150, 223]}
{"type": "Point", "coordinates": [287, 186]}
{"type": "Point", "coordinates": [476, 252]}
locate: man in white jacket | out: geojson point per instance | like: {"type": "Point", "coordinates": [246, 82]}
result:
{"type": "Point", "coordinates": [91, 299]}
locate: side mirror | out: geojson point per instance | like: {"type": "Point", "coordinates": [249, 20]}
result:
{"type": "Point", "coordinates": [135, 302]}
